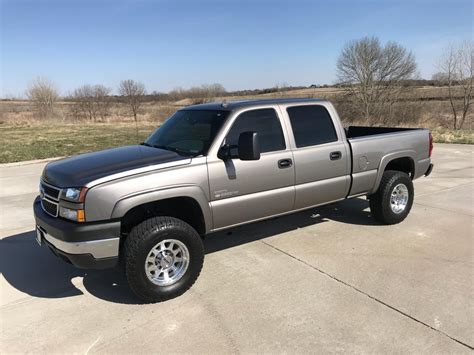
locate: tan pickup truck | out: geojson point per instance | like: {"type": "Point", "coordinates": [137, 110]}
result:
{"type": "Point", "coordinates": [215, 166]}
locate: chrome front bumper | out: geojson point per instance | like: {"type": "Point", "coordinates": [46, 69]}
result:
{"type": "Point", "coordinates": [85, 245]}
{"type": "Point", "coordinates": [103, 248]}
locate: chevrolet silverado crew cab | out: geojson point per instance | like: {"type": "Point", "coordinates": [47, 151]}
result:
{"type": "Point", "coordinates": [216, 166]}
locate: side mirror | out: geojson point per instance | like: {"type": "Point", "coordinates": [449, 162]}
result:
{"type": "Point", "coordinates": [224, 152]}
{"type": "Point", "coordinates": [248, 147]}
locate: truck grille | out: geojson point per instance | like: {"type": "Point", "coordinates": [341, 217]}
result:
{"type": "Point", "coordinates": [50, 191]}
{"type": "Point", "coordinates": [49, 198]}
{"type": "Point", "coordinates": [50, 207]}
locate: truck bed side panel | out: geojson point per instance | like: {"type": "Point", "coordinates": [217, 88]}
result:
{"type": "Point", "coordinates": [371, 154]}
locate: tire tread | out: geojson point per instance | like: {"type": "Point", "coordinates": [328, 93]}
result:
{"type": "Point", "coordinates": [134, 242]}
{"type": "Point", "coordinates": [380, 200]}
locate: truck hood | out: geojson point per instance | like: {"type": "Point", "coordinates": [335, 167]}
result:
{"type": "Point", "coordinates": [79, 170]}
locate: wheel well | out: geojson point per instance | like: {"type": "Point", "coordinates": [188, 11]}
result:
{"type": "Point", "coordinates": [184, 208]}
{"type": "Point", "coordinates": [404, 164]}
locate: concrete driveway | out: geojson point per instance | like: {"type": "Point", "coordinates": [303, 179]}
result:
{"type": "Point", "coordinates": [325, 280]}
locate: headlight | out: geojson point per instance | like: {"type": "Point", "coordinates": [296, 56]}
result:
{"type": "Point", "coordinates": [73, 215]}
{"type": "Point", "coordinates": [75, 194]}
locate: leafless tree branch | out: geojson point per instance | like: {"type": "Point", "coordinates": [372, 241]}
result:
{"type": "Point", "coordinates": [44, 94]}
{"type": "Point", "coordinates": [457, 67]}
{"type": "Point", "coordinates": [133, 92]}
{"type": "Point", "coordinates": [374, 72]}
{"type": "Point", "coordinates": [91, 102]}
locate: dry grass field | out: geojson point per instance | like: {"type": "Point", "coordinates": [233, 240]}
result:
{"type": "Point", "coordinates": [29, 142]}
{"type": "Point", "coordinates": [24, 136]}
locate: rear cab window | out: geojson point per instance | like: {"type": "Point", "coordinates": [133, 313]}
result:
{"type": "Point", "coordinates": [311, 125]}
{"type": "Point", "coordinates": [263, 121]}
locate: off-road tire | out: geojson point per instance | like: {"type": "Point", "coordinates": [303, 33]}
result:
{"type": "Point", "coordinates": [380, 200]}
{"type": "Point", "coordinates": [142, 238]}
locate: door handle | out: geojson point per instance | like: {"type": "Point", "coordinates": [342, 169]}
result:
{"type": "Point", "coordinates": [285, 163]}
{"type": "Point", "coordinates": [335, 155]}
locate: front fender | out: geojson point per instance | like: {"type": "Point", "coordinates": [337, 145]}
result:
{"type": "Point", "coordinates": [142, 197]}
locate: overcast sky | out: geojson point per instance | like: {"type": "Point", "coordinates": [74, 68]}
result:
{"type": "Point", "coordinates": [240, 44]}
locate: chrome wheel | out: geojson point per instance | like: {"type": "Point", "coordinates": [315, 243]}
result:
{"type": "Point", "coordinates": [399, 198]}
{"type": "Point", "coordinates": [167, 262]}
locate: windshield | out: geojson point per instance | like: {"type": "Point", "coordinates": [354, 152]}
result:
{"type": "Point", "coordinates": [188, 132]}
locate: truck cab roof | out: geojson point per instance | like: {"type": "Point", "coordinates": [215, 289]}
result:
{"type": "Point", "coordinates": [232, 105]}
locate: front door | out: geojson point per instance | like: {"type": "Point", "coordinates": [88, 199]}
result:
{"type": "Point", "coordinates": [243, 191]}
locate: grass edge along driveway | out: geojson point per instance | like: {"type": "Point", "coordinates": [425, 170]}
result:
{"type": "Point", "coordinates": [30, 142]}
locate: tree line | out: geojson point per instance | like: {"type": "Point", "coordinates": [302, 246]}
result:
{"type": "Point", "coordinates": [373, 74]}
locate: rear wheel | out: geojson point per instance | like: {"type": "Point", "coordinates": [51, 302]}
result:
{"type": "Point", "coordinates": [163, 258]}
{"type": "Point", "coordinates": [393, 200]}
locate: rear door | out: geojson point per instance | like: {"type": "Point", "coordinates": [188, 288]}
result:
{"type": "Point", "coordinates": [321, 155]}
{"type": "Point", "coordinates": [242, 191]}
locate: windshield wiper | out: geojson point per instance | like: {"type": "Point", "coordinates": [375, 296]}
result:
{"type": "Point", "coordinates": [174, 149]}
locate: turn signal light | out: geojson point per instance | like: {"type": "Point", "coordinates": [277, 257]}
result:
{"type": "Point", "coordinates": [81, 216]}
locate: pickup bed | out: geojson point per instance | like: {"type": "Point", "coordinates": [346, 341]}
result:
{"type": "Point", "coordinates": [214, 166]}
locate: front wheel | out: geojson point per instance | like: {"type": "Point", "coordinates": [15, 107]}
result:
{"type": "Point", "coordinates": [163, 258]}
{"type": "Point", "coordinates": [392, 202]}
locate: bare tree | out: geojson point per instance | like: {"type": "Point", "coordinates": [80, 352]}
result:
{"type": "Point", "coordinates": [457, 67]}
{"type": "Point", "coordinates": [374, 73]}
{"type": "Point", "coordinates": [133, 92]}
{"type": "Point", "coordinates": [213, 90]}
{"type": "Point", "coordinates": [176, 94]}
{"type": "Point", "coordinates": [205, 92]}
{"type": "Point", "coordinates": [440, 77]}
{"type": "Point", "coordinates": [281, 88]}
{"type": "Point", "coordinates": [44, 95]}
{"type": "Point", "coordinates": [84, 101]}
{"type": "Point", "coordinates": [91, 101]}
{"type": "Point", "coordinates": [102, 100]}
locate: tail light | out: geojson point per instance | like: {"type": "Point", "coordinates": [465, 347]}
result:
{"type": "Point", "coordinates": [431, 144]}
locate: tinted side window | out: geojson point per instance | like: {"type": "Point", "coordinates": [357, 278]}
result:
{"type": "Point", "coordinates": [266, 123]}
{"type": "Point", "coordinates": [311, 125]}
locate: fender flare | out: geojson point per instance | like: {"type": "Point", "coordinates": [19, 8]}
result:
{"type": "Point", "coordinates": [387, 159]}
{"type": "Point", "coordinates": [190, 191]}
